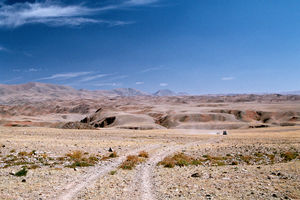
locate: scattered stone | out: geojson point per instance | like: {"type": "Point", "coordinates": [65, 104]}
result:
{"type": "Point", "coordinates": [24, 180]}
{"type": "Point", "coordinates": [196, 175]}
{"type": "Point", "coordinates": [110, 149]}
{"type": "Point", "coordinates": [75, 169]}
{"type": "Point", "coordinates": [3, 146]}
{"type": "Point", "coordinates": [12, 173]}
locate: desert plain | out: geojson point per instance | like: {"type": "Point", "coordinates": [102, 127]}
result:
{"type": "Point", "coordinates": [149, 147]}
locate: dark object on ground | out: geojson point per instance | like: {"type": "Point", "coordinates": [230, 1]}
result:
{"type": "Point", "coordinates": [224, 132]}
{"type": "Point", "coordinates": [196, 175]}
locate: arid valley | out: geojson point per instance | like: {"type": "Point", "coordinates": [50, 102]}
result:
{"type": "Point", "coordinates": [61, 143]}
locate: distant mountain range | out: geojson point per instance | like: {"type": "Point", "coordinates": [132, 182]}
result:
{"type": "Point", "coordinates": [57, 90]}
{"type": "Point", "coordinates": [44, 91]}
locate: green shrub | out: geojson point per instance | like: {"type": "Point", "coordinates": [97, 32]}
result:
{"type": "Point", "coordinates": [22, 172]}
{"type": "Point", "coordinates": [113, 155]}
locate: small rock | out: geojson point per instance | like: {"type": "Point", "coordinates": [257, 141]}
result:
{"type": "Point", "coordinates": [196, 175]}
{"type": "Point", "coordinates": [110, 149]}
{"type": "Point", "coordinates": [12, 173]}
{"type": "Point", "coordinates": [183, 150]}
{"type": "Point", "coordinates": [75, 169]}
{"type": "Point", "coordinates": [23, 180]}
{"type": "Point", "coordinates": [3, 146]}
{"type": "Point", "coordinates": [274, 195]}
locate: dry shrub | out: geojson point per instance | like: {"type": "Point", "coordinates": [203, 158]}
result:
{"type": "Point", "coordinates": [113, 155]}
{"type": "Point", "coordinates": [80, 160]}
{"type": "Point", "coordinates": [179, 159]}
{"type": "Point", "coordinates": [288, 156]}
{"type": "Point", "coordinates": [182, 159]}
{"type": "Point", "coordinates": [130, 162]}
{"type": "Point", "coordinates": [168, 162]}
{"type": "Point", "coordinates": [22, 153]}
{"type": "Point", "coordinates": [75, 155]}
{"type": "Point", "coordinates": [144, 154]}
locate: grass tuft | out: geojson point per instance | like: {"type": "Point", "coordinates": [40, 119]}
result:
{"type": "Point", "coordinates": [22, 172]}
{"type": "Point", "coordinates": [144, 154]}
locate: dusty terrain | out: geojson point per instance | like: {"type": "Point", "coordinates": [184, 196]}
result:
{"type": "Point", "coordinates": [61, 143]}
{"type": "Point", "coordinates": [248, 164]}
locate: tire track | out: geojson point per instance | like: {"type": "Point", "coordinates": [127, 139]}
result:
{"type": "Point", "coordinates": [146, 171]}
{"type": "Point", "coordinates": [71, 190]}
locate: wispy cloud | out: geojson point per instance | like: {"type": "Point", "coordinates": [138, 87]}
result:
{"type": "Point", "coordinates": [33, 70]}
{"type": "Point", "coordinates": [54, 13]}
{"type": "Point", "coordinates": [118, 77]}
{"type": "Point", "coordinates": [228, 78]}
{"type": "Point", "coordinates": [163, 84]}
{"type": "Point", "coordinates": [150, 69]}
{"type": "Point", "coordinates": [140, 2]}
{"type": "Point", "coordinates": [65, 75]}
{"type": "Point", "coordinates": [89, 78]}
{"type": "Point", "coordinates": [3, 49]}
{"type": "Point", "coordinates": [139, 83]}
{"type": "Point", "coordinates": [27, 70]}
{"type": "Point", "coordinates": [11, 80]}
{"type": "Point", "coordinates": [28, 54]}
{"type": "Point", "coordinates": [108, 84]}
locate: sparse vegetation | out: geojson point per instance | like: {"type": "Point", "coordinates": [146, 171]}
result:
{"type": "Point", "coordinates": [113, 172]}
{"type": "Point", "coordinates": [113, 155]}
{"type": "Point", "coordinates": [22, 172]}
{"type": "Point", "coordinates": [130, 162]}
{"type": "Point", "coordinates": [181, 159]}
{"type": "Point", "coordinates": [144, 154]}
{"type": "Point", "coordinates": [288, 156]}
{"type": "Point", "coordinates": [80, 160]}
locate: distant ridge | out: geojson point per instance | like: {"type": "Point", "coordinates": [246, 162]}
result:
{"type": "Point", "coordinates": [165, 92]}
{"type": "Point", "coordinates": [34, 91]}
{"type": "Point", "coordinates": [129, 92]}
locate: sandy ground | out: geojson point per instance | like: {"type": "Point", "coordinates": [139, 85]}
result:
{"type": "Point", "coordinates": [44, 151]}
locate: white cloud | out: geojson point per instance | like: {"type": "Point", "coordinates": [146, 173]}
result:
{"type": "Point", "coordinates": [3, 49]}
{"type": "Point", "coordinates": [108, 84]}
{"type": "Point", "coordinates": [11, 80]}
{"type": "Point", "coordinates": [140, 2]}
{"type": "Point", "coordinates": [27, 70]}
{"type": "Point", "coordinates": [150, 69]}
{"type": "Point", "coordinates": [139, 83]}
{"type": "Point", "coordinates": [27, 54]}
{"type": "Point", "coordinates": [119, 77]}
{"type": "Point", "coordinates": [65, 76]}
{"type": "Point", "coordinates": [55, 14]}
{"type": "Point", "coordinates": [89, 78]}
{"type": "Point", "coordinates": [228, 78]}
{"type": "Point", "coordinates": [163, 84]}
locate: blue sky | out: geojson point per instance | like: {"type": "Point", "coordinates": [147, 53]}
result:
{"type": "Point", "coordinates": [194, 46]}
